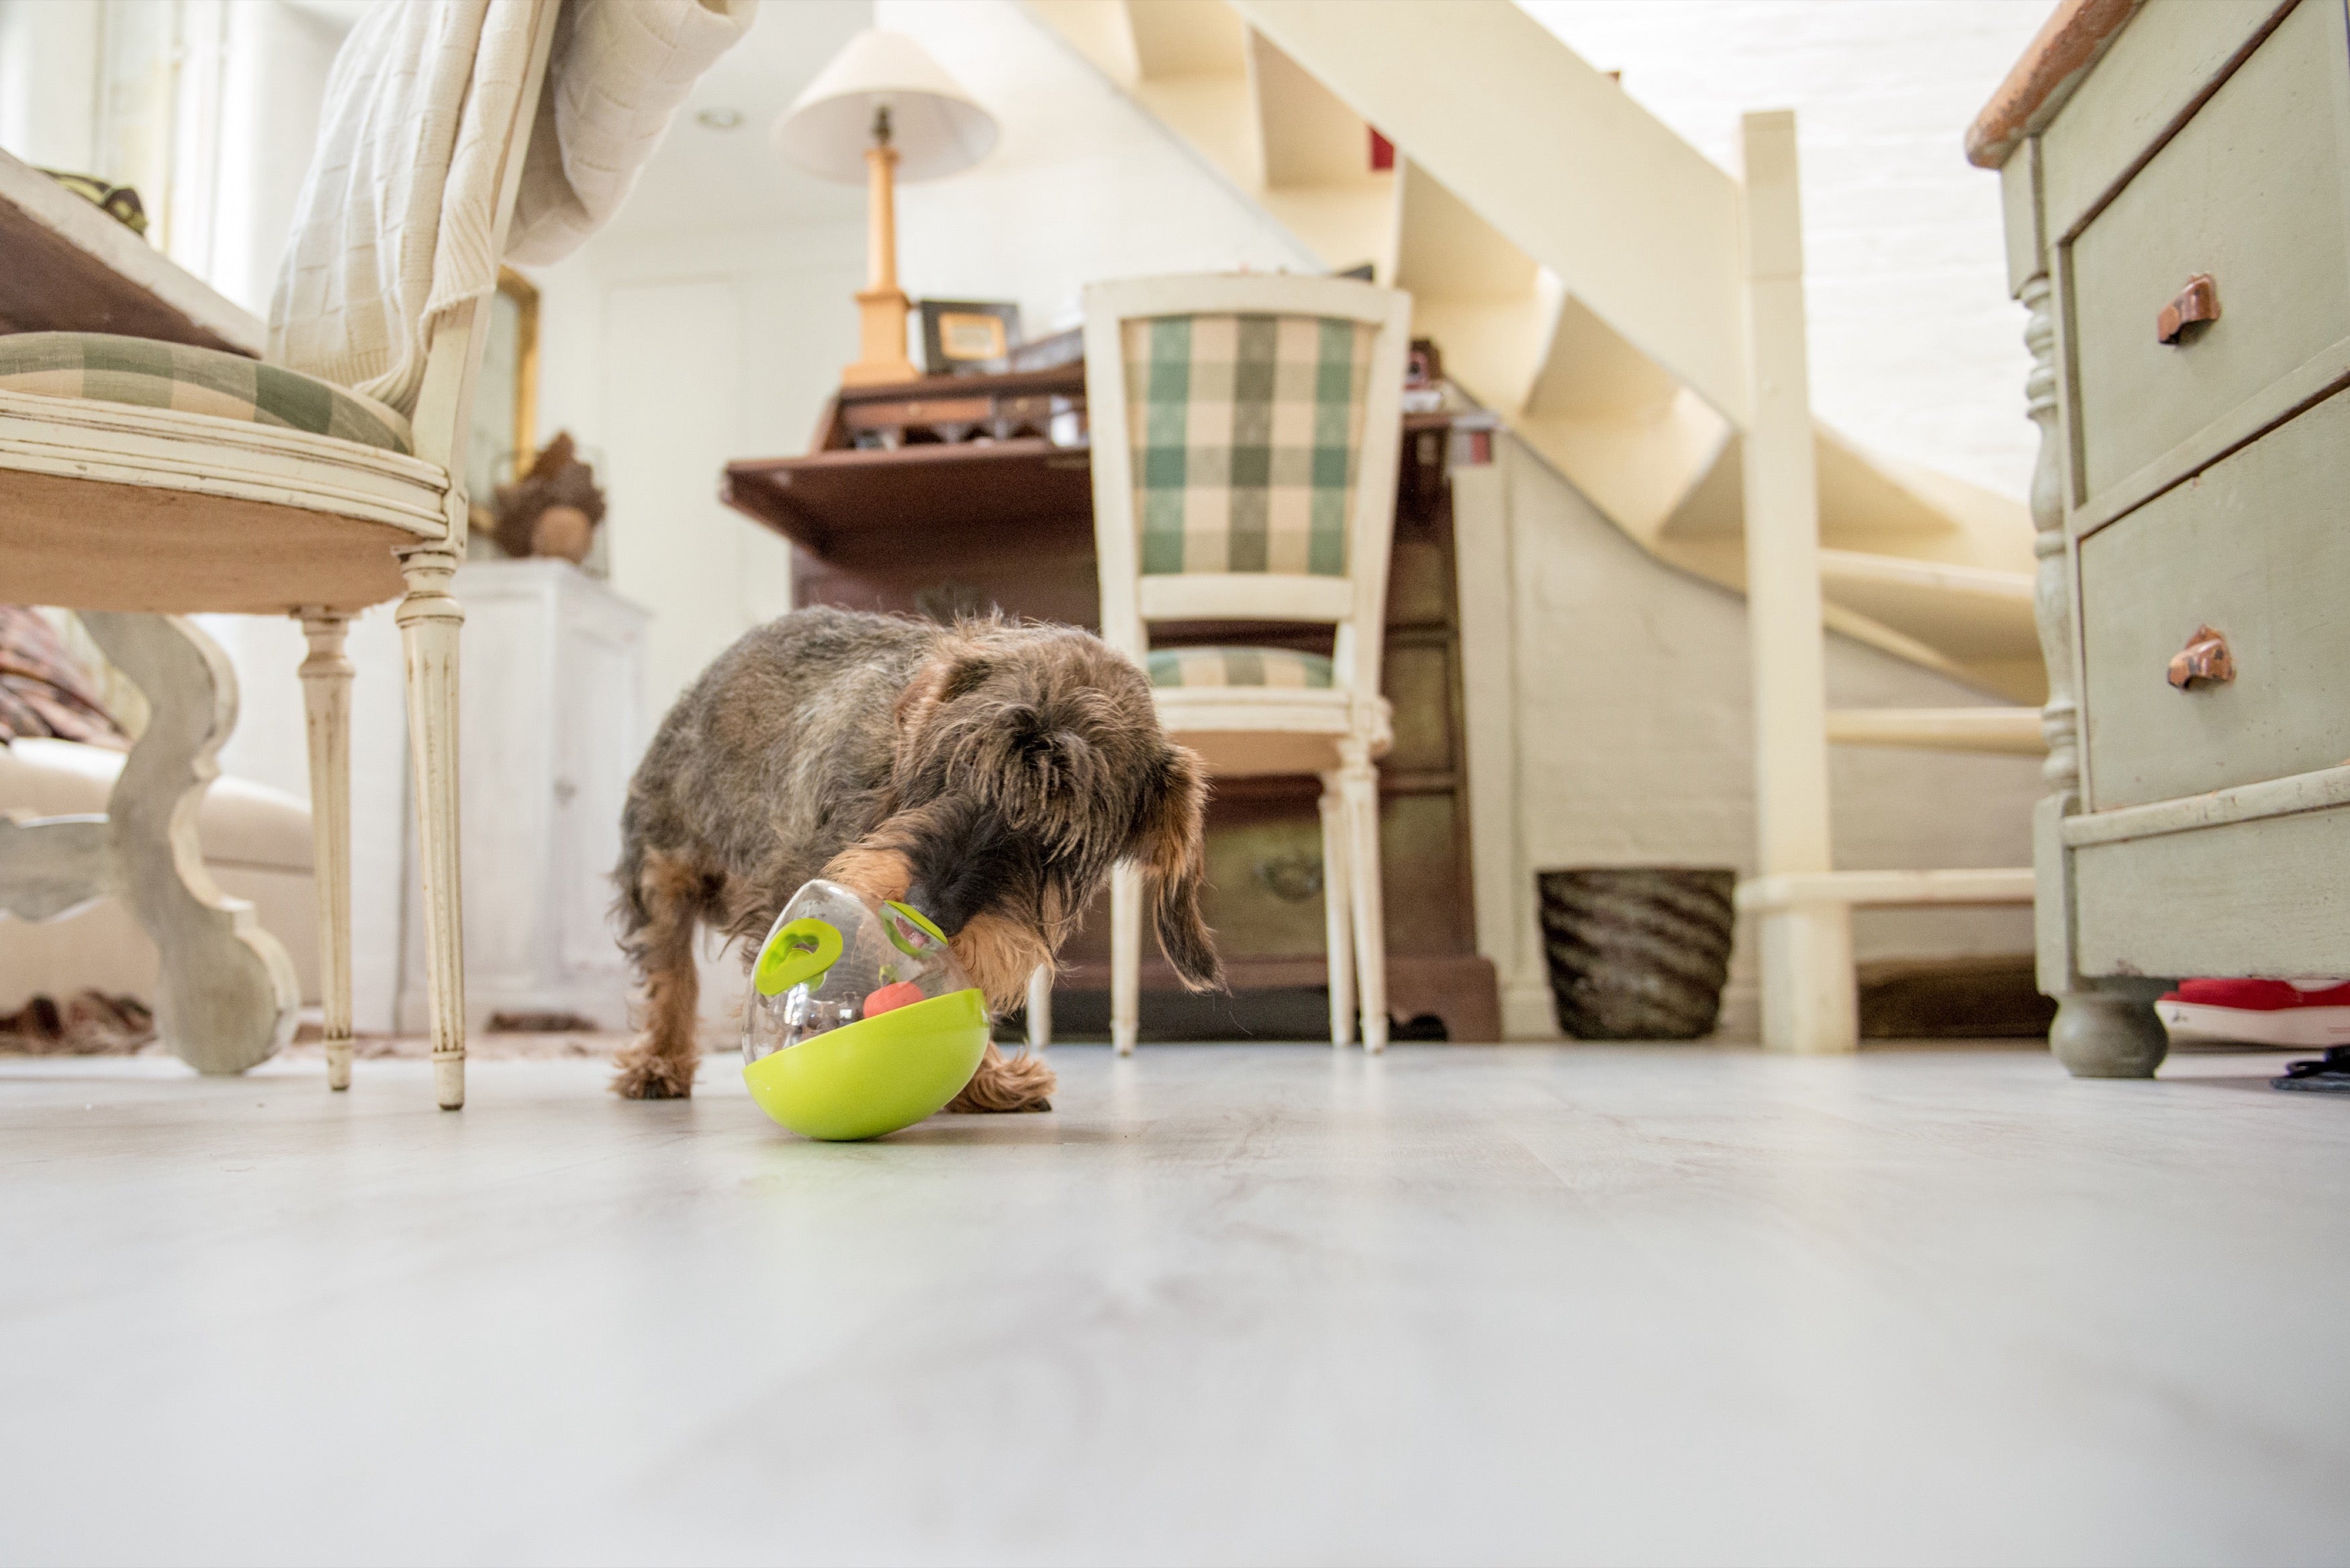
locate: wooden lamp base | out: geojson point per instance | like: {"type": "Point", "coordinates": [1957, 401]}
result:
{"type": "Point", "coordinates": [881, 305]}
{"type": "Point", "coordinates": [880, 339]}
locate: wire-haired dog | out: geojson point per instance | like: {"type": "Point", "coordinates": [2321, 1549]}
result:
{"type": "Point", "coordinates": [989, 773]}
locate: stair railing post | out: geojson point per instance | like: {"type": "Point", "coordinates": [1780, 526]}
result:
{"type": "Point", "coordinates": [1809, 993]}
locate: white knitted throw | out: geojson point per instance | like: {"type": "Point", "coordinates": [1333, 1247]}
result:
{"type": "Point", "coordinates": [395, 224]}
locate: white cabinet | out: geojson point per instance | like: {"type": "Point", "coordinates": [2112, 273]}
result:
{"type": "Point", "coordinates": [550, 728]}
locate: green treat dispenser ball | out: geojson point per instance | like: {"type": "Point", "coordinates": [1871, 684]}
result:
{"type": "Point", "coordinates": [859, 1020]}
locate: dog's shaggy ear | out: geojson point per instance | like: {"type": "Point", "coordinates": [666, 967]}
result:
{"type": "Point", "coordinates": [943, 678]}
{"type": "Point", "coordinates": [1168, 842]}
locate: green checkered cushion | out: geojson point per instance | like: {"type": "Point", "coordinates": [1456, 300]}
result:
{"type": "Point", "coordinates": [153, 375]}
{"type": "Point", "coordinates": [1246, 432]}
{"type": "Point", "coordinates": [1279, 667]}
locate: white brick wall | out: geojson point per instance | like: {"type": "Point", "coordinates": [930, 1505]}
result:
{"type": "Point", "coordinates": [1916, 350]}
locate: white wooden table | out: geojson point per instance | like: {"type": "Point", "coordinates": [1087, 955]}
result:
{"type": "Point", "coordinates": [226, 994]}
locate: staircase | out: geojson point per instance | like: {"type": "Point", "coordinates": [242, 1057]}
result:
{"type": "Point", "coordinates": [1589, 277]}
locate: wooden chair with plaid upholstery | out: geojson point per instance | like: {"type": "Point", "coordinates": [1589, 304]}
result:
{"type": "Point", "coordinates": [1246, 436]}
{"type": "Point", "coordinates": [138, 475]}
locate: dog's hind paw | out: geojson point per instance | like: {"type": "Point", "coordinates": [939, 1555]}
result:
{"type": "Point", "coordinates": [650, 1077]}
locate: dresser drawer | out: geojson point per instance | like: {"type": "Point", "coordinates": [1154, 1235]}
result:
{"type": "Point", "coordinates": [2250, 191]}
{"type": "Point", "coordinates": [2257, 547]}
{"type": "Point", "coordinates": [2265, 897]}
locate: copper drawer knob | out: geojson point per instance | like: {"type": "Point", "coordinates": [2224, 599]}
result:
{"type": "Point", "coordinates": [2205, 658]}
{"type": "Point", "coordinates": [2198, 301]}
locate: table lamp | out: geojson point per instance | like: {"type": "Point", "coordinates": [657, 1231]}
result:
{"type": "Point", "coordinates": [883, 110]}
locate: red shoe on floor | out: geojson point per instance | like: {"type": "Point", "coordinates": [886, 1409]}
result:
{"type": "Point", "coordinates": [2296, 1016]}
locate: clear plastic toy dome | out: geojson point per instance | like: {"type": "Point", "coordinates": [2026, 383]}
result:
{"type": "Point", "coordinates": [835, 958]}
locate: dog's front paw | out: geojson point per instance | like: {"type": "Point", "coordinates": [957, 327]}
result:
{"type": "Point", "coordinates": [1021, 1083]}
{"type": "Point", "coordinates": [644, 1075]}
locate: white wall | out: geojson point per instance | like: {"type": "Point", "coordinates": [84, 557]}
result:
{"type": "Point", "coordinates": [1916, 349]}
{"type": "Point", "coordinates": [48, 82]}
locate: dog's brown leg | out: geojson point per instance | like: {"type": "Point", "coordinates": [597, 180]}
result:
{"type": "Point", "coordinates": [660, 1065]}
{"type": "Point", "coordinates": [872, 867]}
{"type": "Point", "coordinates": [1021, 1083]}
{"type": "Point", "coordinates": [1000, 954]}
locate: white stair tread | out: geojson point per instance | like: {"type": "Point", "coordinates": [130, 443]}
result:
{"type": "Point", "coordinates": [2002, 885]}
{"type": "Point", "coordinates": [2014, 731]}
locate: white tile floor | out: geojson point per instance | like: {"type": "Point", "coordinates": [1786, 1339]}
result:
{"type": "Point", "coordinates": [1226, 1305]}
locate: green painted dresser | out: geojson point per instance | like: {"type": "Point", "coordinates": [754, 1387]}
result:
{"type": "Point", "coordinates": [2176, 186]}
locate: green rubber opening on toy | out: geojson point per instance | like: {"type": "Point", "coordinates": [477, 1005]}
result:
{"type": "Point", "coordinates": [872, 1077]}
{"type": "Point", "coordinates": [802, 950]}
{"type": "Point", "coordinates": [897, 937]}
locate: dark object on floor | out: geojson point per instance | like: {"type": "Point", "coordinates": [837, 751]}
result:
{"type": "Point", "coordinates": [2326, 1075]}
{"type": "Point", "coordinates": [89, 1024]}
{"type": "Point", "coordinates": [44, 690]}
{"type": "Point", "coordinates": [540, 1024]}
{"type": "Point", "coordinates": [1995, 997]}
{"type": "Point", "coordinates": [1637, 952]}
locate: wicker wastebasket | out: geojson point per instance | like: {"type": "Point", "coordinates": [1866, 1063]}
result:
{"type": "Point", "coordinates": [1637, 952]}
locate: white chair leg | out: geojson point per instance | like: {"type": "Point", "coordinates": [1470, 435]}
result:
{"type": "Point", "coordinates": [1040, 1008]}
{"type": "Point", "coordinates": [326, 703]}
{"type": "Point", "coordinates": [428, 620]}
{"type": "Point", "coordinates": [1337, 915]}
{"type": "Point", "coordinates": [1125, 958]}
{"type": "Point", "coordinates": [1358, 784]}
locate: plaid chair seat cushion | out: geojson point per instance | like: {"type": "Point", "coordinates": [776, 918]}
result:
{"type": "Point", "coordinates": [1279, 669]}
{"type": "Point", "coordinates": [153, 375]}
{"type": "Point", "coordinates": [1246, 432]}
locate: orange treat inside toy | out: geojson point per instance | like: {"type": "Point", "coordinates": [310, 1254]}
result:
{"type": "Point", "coordinates": [905, 994]}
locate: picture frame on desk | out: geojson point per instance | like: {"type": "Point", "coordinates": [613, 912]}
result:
{"type": "Point", "coordinates": [969, 336]}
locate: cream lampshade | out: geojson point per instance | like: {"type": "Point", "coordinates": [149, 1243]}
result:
{"type": "Point", "coordinates": [883, 110]}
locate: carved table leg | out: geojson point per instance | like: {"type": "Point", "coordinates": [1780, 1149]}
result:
{"type": "Point", "coordinates": [327, 704]}
{"type": "Point", "coordinates": [53, 865]}
{"type": "Point", "coordinates": [428, 621]}
{"type": "Point", "coordinates": [228, 997]}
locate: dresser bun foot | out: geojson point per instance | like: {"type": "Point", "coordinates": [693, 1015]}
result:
{"type": "Point", "coordinates": [2108, 1036]}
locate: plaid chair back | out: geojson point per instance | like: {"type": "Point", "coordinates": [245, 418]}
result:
{"type": "Point", "coordinates": [1246, 433]}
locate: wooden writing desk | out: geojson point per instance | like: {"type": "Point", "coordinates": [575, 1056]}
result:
{"type": "Point", "coordinates": [941, 528]}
